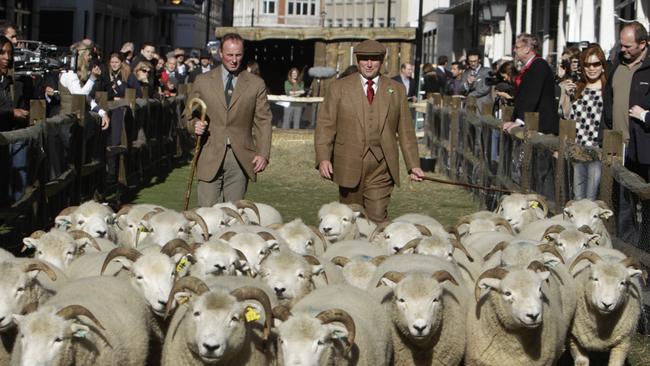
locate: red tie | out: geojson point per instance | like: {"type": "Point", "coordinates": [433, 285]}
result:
{"type": "Point", "coordinates": [370, 92]}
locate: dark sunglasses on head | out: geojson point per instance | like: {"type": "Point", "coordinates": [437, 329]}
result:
{"type": "Point", "coordinates": [593, 64]}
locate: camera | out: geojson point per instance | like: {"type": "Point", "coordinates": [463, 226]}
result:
{"type": "Point", "coordinates": [38, 58]}
{"type": "Point", "coordinates": [493, 79]}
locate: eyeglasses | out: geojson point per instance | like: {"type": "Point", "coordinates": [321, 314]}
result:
{"type": "Point", "coordinates": [593, 64]}
{"type": "Point", "coordinates": [143, 70]}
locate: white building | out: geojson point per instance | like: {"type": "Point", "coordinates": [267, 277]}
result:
{"type": "Point", "coordinates": [277, 13]}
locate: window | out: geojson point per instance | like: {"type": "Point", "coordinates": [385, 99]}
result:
{"type": "Point", "coordinates": [339, 22]}
{"type": "Point", "coordinates": [380, 22]}
{"type": "Point", "coordinates": [359, 22]}
{"type": "Point", "coordinates": [349, 22]}
{"type": "Point", "coordinates": [269, 6]}
{"type": "Point", "coordinates": [393, 22]}
{"type": "Point", "coordinates": [328, 23]}
{"type": "Point", "coordinates": [301, 7]}
{"type": "Point", "coordinates": [369, 22]}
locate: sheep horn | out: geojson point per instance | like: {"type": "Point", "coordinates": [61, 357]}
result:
{"type": "Point", "coordinates": [266, 235]}
{"type": "Point", "coordinates": [193, 216]}
{"type": "Point", "coordinates": [129, 253]}
{"type": "Point", "coordinates": [338, 315]}
{"type": "Point", "coordinates": [123, 211]}
{"type": "Point", "coordinates": [37, 234]}
{"type": "Point", "coordinates": [537, 266]}
{"type": "Point", "coordinates": [463, 220]}
{"type": "Point", "coordinates": [281, 312]}
{"type": "Point", "coordinates": [393, 276]}
{"type": "Point", "coordinates": [74, 311]}
{"type": "Point", "coordinates": [234, 214]}
{"type": "Point", "coordinates": [320, 236]}
{"type": "Point", "coordinates": [452, 230]}
{"type": "Point", "coordinates": [358, 208]}
{"type": "Point", "coordinates": [67, 211]}
{"type": "Point", "coordinates": [379, 229]}
{"type": "Point", "coordinates": [569, 203]}
{"type": "Point", "coordinates": [315, 262]}
{"type": "Point", "coordinates": [254, 293]}
{"type": "Point", "coordinates": [378, 259]}
{"type": "Point", "coordinates": [340, 261]}
{"type": "Point", "coordinates": [442, 276]}
{"type": "Point", "coordinates": [541, 200]}
{"type": "Point", "coordinates": [242, 257]}
{"type": "Point", "coordinates": [193, 284]}
{"type": "Point", "coordinates": [412, 244]}
{"type": "Point", "coordinates": [458, 245]}
{"type": "Point", "coordinates": [242, 204]}
{"type": "Point", "coordinates": [553, 229]}
{"type": "Point", "coordinates": [40, 266]}
{"type": "Point", "coordinates": [588, 255]}
{"type": "Point", "coordinates": [634, 263]}
{"type": "Point", "coordinates": [29, 308]}
{"type": "Point", "coordinates": [496, 272]}
{"type": "Point", "coordinates": [550, 248]}
{"type": "Point", "coordinates": [227, 235]}
{"type": "Point", "coordinates": [502, 245]}
{"type": "Point", "coordinates": [79, 234]}
{"type": "Point", "coordinates": [423, 229]}
{"type": "Point", "coordinates": [169, 249]}
{"type": "Point", "coordinates": [586, 229]}
{"type": "Point", "coordinates": [500, 221]}
{"type": "Point", "coordinates": [149, 214]}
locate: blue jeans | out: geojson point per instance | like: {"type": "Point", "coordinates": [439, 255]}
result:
{"type": "Point", "coordinates": [586, 180]}
{"type": "Point", "coordinates": [18, 151]}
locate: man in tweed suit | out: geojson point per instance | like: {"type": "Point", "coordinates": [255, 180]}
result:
{"type": "Point", "coordinates": [363, 117]}
{"type": "Point", "coordinates": [238, 131]}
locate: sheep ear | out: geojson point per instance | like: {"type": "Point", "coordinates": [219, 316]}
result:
{"type": "Point", "coordinates": [543, 275]}
{"type": "Point", "coordinates": [18, 318]}
{"type": "Point", "coordinates": [182, 297]}
{"type": "Point", "coordinates": [126, 263]}
{"type": "Point", "coordinates": [490, 283]}
{"type": "Point", "coordinates": [550, 260]}
{"type": "Point", "coordinates": [317, 269]}
{"type": "Point", "coordinates": [565, 212]}
{"type": "Point", "coordinates": [551, 237]}
{"type": "Point", "coordinates": [273, 245]}
{"type": "Point", "coordinates": [593, 239]}
{"type": "Point", "coordinates": [30, 243]}
{"type": "Point", "coordinates": [633, 272]}
{"type": "Point", "coordinates": [386, 282]}
{"type": "Point", "coordinates": [338, 332]}
{"type": "Point", "coordinates": [79, 330]}
{"type": "Point", "coordinates": [63, 221]}
{"type": "Point", "coordinates": [605, 213]}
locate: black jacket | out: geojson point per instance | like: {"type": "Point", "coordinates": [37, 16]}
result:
{"type": "Point", "coordinates": [638, 149]}
{"type": "Point", "coordinates": [6, 104]}
{"type": "Point", "coordinates": [536, 93]}
{"type": "Point", "coordinates": [412, 85]}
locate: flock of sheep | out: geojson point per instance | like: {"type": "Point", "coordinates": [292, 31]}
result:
{"type": "Point", "coordinates": [233, 284]}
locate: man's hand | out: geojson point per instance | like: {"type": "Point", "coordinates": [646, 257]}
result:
{"type": "Point", "coordinates": [96, 71]}
{"type": "Point", "coordinates": [199, 127]}
{"type": "Point", "coordinates": [509, 126]}
{"type": "Point", "coordinates": [259, 163]}
{"type": "Point", "coordinates": [20, 113]}
{"type": "Point", "coordinates": [106, 121]}
{"type": "Point", "coordinates": [325, 169]}
{"type": "Point", "coordinates": [637, 112]}
{"type": "Point", "coordinates": [417, 174]}
{"type": "Point", "coordinates": [471, 79]}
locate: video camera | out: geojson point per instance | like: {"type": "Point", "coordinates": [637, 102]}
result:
{"type": "Point", "coordinates": [493, 78]}
{"type": "Point", "coordinates": [38, 58]}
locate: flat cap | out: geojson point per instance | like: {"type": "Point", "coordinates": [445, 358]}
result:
{"type": "Point", "coordinates": [370, 47]}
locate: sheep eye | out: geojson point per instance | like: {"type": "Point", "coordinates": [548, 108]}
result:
{"type": "Point", "coordinates": [623, 283]}
{"type": "Point", "coordinates": [138, 278]}
{"type": "Point", "coordinates": [180, 229]}
{"type": "Point", "coordinates": [523, 208]}
{"type": "Point", "coordinates": [320, 343]}
{"type": "Point", "coordinates": [235, 318]}
{"type": "Point", "coordinates": [559, 244]}
{"type": "Point", "coordinates": [131, 225]}
{"type": "Point", "coordinates": [40, 252]}
{"type": "Point", "coordinates": [345, 219]}
{"type": "Point", "coordinates": [594, 279]}
{"type": "Point", "coordinates": [507, 293]}
{"type": "Point", "coordinates": [58, 339]}
{"type": "Point", "coordinates": [20, 289]}
{"type": "Point", "coordinates": [80, 222]}
{"type": "Point", "coordinates": [301, 276]}
{"type": "Point", "coordinates": [387, 236]}
{"type": "Point", "coordinates": [436, 299]}
{"type": "Point", "coordinates": [310, 243]}
{"type": "Point", "coordinates": [401, 300]}
{"type": "Point", "coordinates": [196, 313]}
{"type": "Point", "coordinates": [68, 253]}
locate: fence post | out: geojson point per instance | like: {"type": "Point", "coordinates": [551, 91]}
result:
{"type": "Point", "coordinates": [182, 89]}
{"type": "Point", "coordinates": [567, 135]}
{"type": "Point", "coordinates": [129, 96]}
{"type": "Point", "coordinates": [79, 108]}
{"type": "Point", "coordinates": [486, 109]}
{"type": "Point", "coordinates": [453, 135]}
{"type": "Point", "coordinates": [145, 92]}
{"type": "Point", "coordinates": [36, 111]}
{"type": "Point", "coordinates": [470, 105]}
{"type": "Point", "coordinates": [437, 100]}
{"type": "Point", "coordinates": [530, 129]}
{"type": "Point", "coordinates": [612, 151]}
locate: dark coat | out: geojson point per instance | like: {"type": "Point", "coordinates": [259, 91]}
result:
{"type": "Point", "coordinates": [6, 104]}
{"type": "Point", "coordinates": [638, 149]}
{"type": "Point", "coordinates": [412, 92]}
{"type": "Point", "coordinates": [536, 93]}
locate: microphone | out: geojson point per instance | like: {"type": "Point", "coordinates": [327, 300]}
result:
{"type": "Point", "coordinates": [320, 72]}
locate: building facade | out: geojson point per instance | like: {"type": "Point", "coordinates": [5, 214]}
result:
{"type": "Point", "coordinates": [277, 13]}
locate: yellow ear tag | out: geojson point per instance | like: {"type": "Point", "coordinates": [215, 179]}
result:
{"type": "Point", "coordinates": [182, 300]}
{"type": "Point", "coordinates": [534, 204]}
{"type": "Point", "coordinates": [143, 229]}
{"type": "Point", "coordinates": [180, 266]}
{"type": "Point", "coordinates": [252, 314]}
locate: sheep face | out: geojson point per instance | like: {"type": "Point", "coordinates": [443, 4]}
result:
{"type": "Point", "coordinates": [304, 340]}
{"type": "Point", "coordinates": [289, 274]}
{"type": "Point", "coordinates": [519, 303]}
{"type": "Point", "coordinates": [570, 241]}
{"type": "Point", "coordinates": [92, 217]}
{"type": "Point", "coordinates": [126, 225]}
{"type": "Point", "coordinates": [215, 258]}
{"type": "Point", "coordinates": [336, 221]}
{"type": "Point", "coordinates": [520, 209]}
{"type": "Point", "coordinates": [214, 325]}
{"type": "Point", "coordinates": [254, 247]}
{"type": "Point", "coordinates": [14, 285]}
{"type": "Point", "coordinates": [607, 287]}
{"type": "Point", "coordinates": [167, 225]}
{"type": "Point", "coordinates": [215, 218]}
{"type": "Point", "coordinates": [56, 247]}
{"type": "Point", "coordinates": [298, 237]}
{"type": "Point", "coordinates": [46, 337]}
{"type": "Point", "coordinates": [587, 212]}
{"type": "Point", "coordinates": [397, 234]}
{"type": "Point", "coordinates": [153, 275]}
{"type": "Point", "coordinates": [417, 304]}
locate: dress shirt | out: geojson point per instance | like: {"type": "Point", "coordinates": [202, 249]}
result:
{"type": "Point", "coordinates": [364, 83]}
{"type": "Point", "coordinates": [224, 76]}
{"type": "Point", "coordinates": [70, 80]}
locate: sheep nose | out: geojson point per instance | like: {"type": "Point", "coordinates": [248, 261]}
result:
{"type": "Point", "coordinates": [2, 319]}
{"type": "Point", "coordinates": [532, 317]}
{"type": "Point", "coordinates": [327, 229]}
{"type": "Point", "coordinates": [279, 290]}
{"type": "Point", "coordinates": [211, 348]}
{"type": "Point", "coordinates": [163, 303]}
{"type": "Point", "coordinates": [420, 328]}
{"type": "Point", "coordinates": [607, 305]}
{"type": "Point", "coordinates": [396, 249]}
{"type": "Point", "coordinates": [100, 233]}
{"type": "Point", "coordinates": [220, 267]}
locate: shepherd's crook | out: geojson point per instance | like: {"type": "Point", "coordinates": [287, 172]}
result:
{"type": "Point", "coordinates": [467, 185]}
{"type": "Point", "coordinates": [197, 148]}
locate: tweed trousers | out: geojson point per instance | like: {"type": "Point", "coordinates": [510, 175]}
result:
{"type": "Point", "coordinates": [229, 185]}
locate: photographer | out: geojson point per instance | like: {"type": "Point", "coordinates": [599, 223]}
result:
{"type": "Point", "coordinates": [568, 75]}
{"type": "Point", "coordinates": [473, 79]}
{"type": "Point", "coordinates": [504, 86]}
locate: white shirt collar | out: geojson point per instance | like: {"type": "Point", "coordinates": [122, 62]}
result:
{"type": "Point", "coordinates": [375, 80]}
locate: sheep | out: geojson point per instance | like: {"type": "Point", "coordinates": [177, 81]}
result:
{"type": "Point", "coordinates": [254, 212]}
{"type": "Point", "coordinates": [427, 221]}
{"type": "Point", "coordinates": [216, 257]}
{"type": "Point", "coordinates": [216, 218]}
{"type": "Point", "coordinates": [292, 276]}
{"type": "Point", "coordinates": [536, 230]}
{"type": "Point", "coordinates": [427, 317]}
{"type": "Point", "coordinates": [19, 289]}
{"type": "Point", "coordinates": [128, 225]}
{"type": "Point", "coordinates": [162, 226]}
{"type": "Point", "coordinates": [255, 247]}
{"type": "Point", "coordinates": [592, 214]}
{"type": "Point", "coordinates": [334, 325]}
{"type": "Point", "coordinates": [92, 217]}
{"type": "Point", "coordinates": [517, 323]}
{"type": "Point", "coordinates": [412, 263]}
{"type": "Point", "coordinates": [609, 306]}
{"type": "Point", "coordinates": [522, 209]}
{"type": "Point", "coordinates": [302, 238]}
{"type": "Point", "coordinates": [5, 255]}
{"type": "Point", "coordinates": [482, 221]}
{"type": "Point", "coordinates": [570, 241]}
{"type": "Point", "coordinates": [94, 321]}
{"type": "Point", "coordinates": [57, 247]}
{"type": "Point", "coordinates": [394, 235]}
{"type": "Point", "coordinates": [216, 326]}
{"type": "Point", "coordinates": [338, 221]}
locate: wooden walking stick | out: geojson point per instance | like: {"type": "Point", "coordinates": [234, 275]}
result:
{"type": "Point", "coordinates": [197, 147]}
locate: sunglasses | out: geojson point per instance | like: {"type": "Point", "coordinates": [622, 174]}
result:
{"type": "Point", "coordinates": [593, 64]}
{"type": "Point", "coordinates": [143, 70]}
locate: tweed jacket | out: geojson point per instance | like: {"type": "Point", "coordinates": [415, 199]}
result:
{"type": "Point", "coordinates": [339, 135]}
{"type": "Point", "coordinates": [247, 122]}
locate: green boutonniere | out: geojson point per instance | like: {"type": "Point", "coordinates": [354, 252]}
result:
{"type": "Point", "coordinates": [391, 91]}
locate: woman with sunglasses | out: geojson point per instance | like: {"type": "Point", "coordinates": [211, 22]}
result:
{"type": "Point", "coordinates": [587, 111]}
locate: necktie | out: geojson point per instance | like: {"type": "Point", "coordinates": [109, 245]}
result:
{"type": "Point", "coordinates": [228, 90]}
{"type": "Point", "coordinates": [370, 92]}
